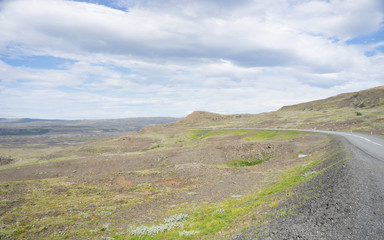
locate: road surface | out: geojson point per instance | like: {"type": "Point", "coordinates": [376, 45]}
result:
{"type": "Point", "coordinates": [370, 144]}
{"type": "Point", "coordinates": [348, 200]}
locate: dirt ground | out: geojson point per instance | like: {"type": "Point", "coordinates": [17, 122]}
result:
{"type": "Point", "coordinates": [184, 172]}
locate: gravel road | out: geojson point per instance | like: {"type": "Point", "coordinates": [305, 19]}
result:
{"type": "Point", "coordinates": [346, 202]}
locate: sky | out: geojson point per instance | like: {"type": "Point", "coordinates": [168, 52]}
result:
{"type": "Point", "coordinates": [103, 59]}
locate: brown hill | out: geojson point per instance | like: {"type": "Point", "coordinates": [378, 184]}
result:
{"type": "Point", "coordinates": [361, 111]}
{"type": "Point", "coordinates": [370, 98]}
{"type": "Point", "coordinates": [356, 111]}
{"type": "Point", "coordinates": [201, 117]}
{"type": "Point", "coordinates": [198, 116]}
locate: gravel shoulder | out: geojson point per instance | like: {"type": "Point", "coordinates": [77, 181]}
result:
{"type": "Point", "coordinates": [344, 201]}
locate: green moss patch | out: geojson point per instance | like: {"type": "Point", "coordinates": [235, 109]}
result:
{"type": "Point", "coordinates": [272, 135]}
{"type": "Point", "coordinates": [249, 134]}
{"type": "Point", "coordinates": [248, 163]}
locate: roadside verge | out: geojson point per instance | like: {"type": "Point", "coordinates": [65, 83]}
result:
{"type": "Point", "coordinates": [319, 208]}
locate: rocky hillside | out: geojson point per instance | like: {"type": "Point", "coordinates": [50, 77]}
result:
{"type": "Point", "coordinates": [356, 111]}
{"type": "Point", "coordinates": [199, 118]}
{"type": "Point", "coordinates": [366, 99]}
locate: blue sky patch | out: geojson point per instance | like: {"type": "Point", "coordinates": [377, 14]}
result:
{"type": "Point", "coordinates": [39, 62]}
{"type": "Point", "coordinates": [122, 70]}
{"type": "Point", "coordinates": [108, 3]}
{"type": "Point", "coordinates": [377, 50]}
{"type": "Point", "coordinates": [368, 38]}
{"type": "Point", "coordinates": [381, 49]}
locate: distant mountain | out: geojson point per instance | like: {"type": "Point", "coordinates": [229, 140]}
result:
{"type": "Point", "coordinates": [28, 126]}
{"type": "Point", "coordinates": [24, 120]}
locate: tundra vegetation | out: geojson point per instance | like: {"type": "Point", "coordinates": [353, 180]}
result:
{"type": "Point", "coordinates": [150, 184]}
{"type": "Point", "coordinates": [197, 178]}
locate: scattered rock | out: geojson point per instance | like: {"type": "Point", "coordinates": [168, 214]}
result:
{"type": "Point", "coordinates": [6, 160]}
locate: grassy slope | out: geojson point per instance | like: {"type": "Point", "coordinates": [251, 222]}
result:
{"type": "Point", "coordinates": [362, 111]}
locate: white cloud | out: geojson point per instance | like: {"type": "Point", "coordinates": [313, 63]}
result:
{"type": "Point", "coordinates": [84, 28]}
{"type": "Point", "coordinates": [338, 18]}
{"type": "Point", "coordinates": [172, 57]}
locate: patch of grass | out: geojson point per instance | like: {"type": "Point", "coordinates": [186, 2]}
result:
{"type": "Point", "coordinates": [271, 134]}
{"type": "Point", "coordinates": [156, 146]}
{"type": "Point", "coordinates": [55, 204]}
{"type": "Point", "coordinates": [274, 204]}
{"type": "Point", "coordinates": [240, 132]}
{"type": "Point", "coordinates": [197, 133]}
{"type": "Point", "coordinates": [204, 134]}
{"type": "Point", "coordinates": [253, 135]}
{"type": "Point", "coordinates": [247, 163]}
{"type": "Point", "coordinates": [262, 135]}
{"type": "Point", "coordinates": [7, 234]}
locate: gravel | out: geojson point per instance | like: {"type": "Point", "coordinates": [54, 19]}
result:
{"type": "Point", "coordinates": [345, 202]}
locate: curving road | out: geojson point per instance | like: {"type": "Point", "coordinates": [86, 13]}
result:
{"type": "Point", "coordinates": [370, 144]}
{"type": "Point", "coordinates": [354, 209]}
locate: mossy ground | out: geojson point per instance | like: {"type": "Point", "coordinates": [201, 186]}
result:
{"type": "Point", "coordinates": [103, 188]}
{"type": "Point", "coordinates": [184, 164]}
{"type": "Point", "coordinates": [249, 135]}
{"type": "Point", "coordinates": [210, 219]}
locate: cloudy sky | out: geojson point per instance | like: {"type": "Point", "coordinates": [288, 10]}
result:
{"type": "Point", "coordinates": [96, 59]}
